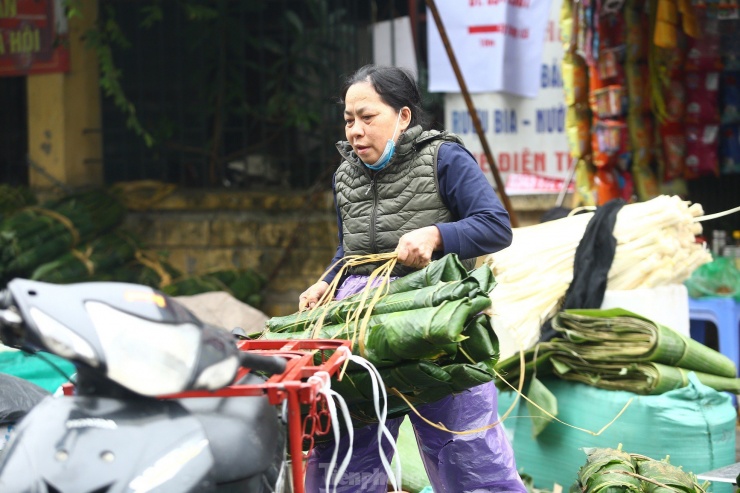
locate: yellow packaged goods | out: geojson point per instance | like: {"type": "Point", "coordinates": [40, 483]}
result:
{"type": "Point", "coordinates": [578, 130]}
{"type": "Point", "coordinates": [575, 80]}
{"type": "Point", "coordinates": [666, 23]}
{"type": "Point", "coordinates": [585, 192]}
{"type": "Point", "coordinates": [567, 26]}
{"type": "Point", "coordinates": [689, 18]}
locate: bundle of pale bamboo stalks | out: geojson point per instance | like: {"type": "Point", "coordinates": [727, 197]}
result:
{"type": "Point", "coordinates": [655, 247]}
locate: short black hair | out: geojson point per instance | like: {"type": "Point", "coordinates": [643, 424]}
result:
{"type": "Point", "coordinates": [395, 86]}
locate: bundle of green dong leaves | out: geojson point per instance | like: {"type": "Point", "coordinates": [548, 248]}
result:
{"type": "Point", "coordinates": [243, 284]}
{"type": "Point", "coordinates": [619, 350]}
{"type": "Point", "coordinates": [612, 470]}
{"type": "Point", "coordinates": [426, 335]}
{"type": "Point", "coordinates": [33, 236]}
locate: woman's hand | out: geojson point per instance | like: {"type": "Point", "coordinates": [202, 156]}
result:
{"type": "Point", "coordinates": [310, 297]}
{"type": "Point", "coordinates": [415, 248]}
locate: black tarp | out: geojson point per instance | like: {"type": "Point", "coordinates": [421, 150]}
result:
{"type": "Point", "coordinates": [591, 264]}
{"type": "Point", "coordinates": [17, 397]}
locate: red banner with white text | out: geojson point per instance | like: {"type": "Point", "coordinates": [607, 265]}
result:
{"type": "Point", "coordinates": [33, 37]}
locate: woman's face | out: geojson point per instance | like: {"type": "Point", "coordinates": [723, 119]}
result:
{"type": "Point", "coordinates": [370, 122]}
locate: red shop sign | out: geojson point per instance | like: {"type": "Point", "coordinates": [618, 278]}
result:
{"type": "Point", "coordinates": [31, 39]}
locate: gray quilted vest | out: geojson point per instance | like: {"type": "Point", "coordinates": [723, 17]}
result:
{"type": "Point", "coordinates": [377, 208]}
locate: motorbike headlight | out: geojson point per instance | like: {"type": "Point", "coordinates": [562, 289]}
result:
{"type": "Point", "coordinates": [61, 341]}
{"type": "Point", "coordinates": [147, 357]}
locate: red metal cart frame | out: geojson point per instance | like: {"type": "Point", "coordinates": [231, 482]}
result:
{"type": "Point", "coordinates": [294, 385]}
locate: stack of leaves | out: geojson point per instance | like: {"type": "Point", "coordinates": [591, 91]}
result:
{"type": "Point", "coordinates": [608, 469]}
{"type": "Point", "coordinates": [84, 263]}
{"type": "Point", "coordinates": [144, 268]}
{"type": "Point", "coordinates": [619, 350]}
{"type": "Point", "coordinates": [36, 235]}
{"type": "Point", "coordinates": [243, 284]}
{"type": "Point", "coordinates": [427, 336]}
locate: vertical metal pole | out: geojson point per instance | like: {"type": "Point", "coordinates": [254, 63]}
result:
{"type": "Point", "coordinates": [295, 438]}
{"type": "Point", "coordinates": [473, 114]}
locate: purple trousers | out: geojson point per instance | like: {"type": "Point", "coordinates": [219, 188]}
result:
{"type": "Point", "coordinates": [474, 463]}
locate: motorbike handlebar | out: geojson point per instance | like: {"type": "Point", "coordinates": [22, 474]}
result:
{"type": "Point", "coordinates": [274, 365]}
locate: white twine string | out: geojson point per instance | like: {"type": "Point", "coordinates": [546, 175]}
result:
{"type": "Point", "coordinates": [377, 382]}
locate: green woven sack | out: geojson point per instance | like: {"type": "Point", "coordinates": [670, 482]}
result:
{"type": "Point", "coordinates": [46, 370]}
{"type": "Point", "coordinates": [695, 425]}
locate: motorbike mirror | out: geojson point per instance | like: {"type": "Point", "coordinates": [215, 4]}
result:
{"type": "Point", "coordinates": [239, 333]}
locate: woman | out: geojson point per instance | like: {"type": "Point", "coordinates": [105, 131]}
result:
{"type": "Point", "coordinates": [421, 194]}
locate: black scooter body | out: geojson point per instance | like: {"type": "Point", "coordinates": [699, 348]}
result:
{"type": "Point", "coordinates": [107, 439]}
{"type": "Point", "coordinates": [104, 445]}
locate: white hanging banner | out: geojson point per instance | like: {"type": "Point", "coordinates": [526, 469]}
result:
{"type": "Point", "coordinates": [526, 136]}
{"type": "Point", "coordinates": [497, 44]}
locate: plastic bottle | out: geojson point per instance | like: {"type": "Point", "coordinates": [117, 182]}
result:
{"type": "Point", "coordinates": [719, 241]}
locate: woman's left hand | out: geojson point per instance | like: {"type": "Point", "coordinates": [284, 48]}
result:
{"type": "Point", "coordinates": [415, 248]}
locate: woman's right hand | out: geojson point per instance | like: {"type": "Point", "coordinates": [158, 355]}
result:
{"type": "Point", "coordinates": [310, 297]}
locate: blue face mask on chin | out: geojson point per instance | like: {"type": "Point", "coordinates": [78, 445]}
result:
{"type": "Point", "coordinates": [390, 148]}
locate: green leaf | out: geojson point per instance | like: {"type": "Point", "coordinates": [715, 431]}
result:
{"type": "Point", "coordinates": [546, 400]}
{"type": "Point", "coordinates": [199, 12]}
{"type": "Point", "coordinates": [152, 14]}
{"type": "Point", "coordinates": [294, 20]}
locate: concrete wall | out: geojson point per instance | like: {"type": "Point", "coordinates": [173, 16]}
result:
{"type": "Point", "coordinates": [289, 237]}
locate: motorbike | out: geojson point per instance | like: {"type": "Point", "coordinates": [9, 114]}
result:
{"type": "Point", "coordinates": [161, 402]}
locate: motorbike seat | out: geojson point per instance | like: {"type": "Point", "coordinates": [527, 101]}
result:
{"type": "Point", "coordinates": [243, 433]}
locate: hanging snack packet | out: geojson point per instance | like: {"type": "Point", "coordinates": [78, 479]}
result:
{"type": "Point", "coordinates": [607, 185]}
{"type": "Point", "coordinates": [610, 64]}
{"type": "Point", "coordinates": [703, 53]}
{"type": "Point", "coordinates": [611, 25]}
{"type": "Point", "coordinates": [702, 97]}
{"type": "Point", "coordinates": [585, 193]}
{"type": "Point", "coordinates": [609, 141]}
{"type": "Point", "coordinates": [675, 100]}
{"type": "Point", "coordinates": [578, 130]}
{"type": "Point", "coordinates": [575, 79]}
{"type": "Point", "coordinates": [567, 25]}
{"type": "Point", "coordinates": [701, 151]}
{"type": "Point", "coordinates": [611, 101]}
{"type": "Point", "coordinates": [594, 85]}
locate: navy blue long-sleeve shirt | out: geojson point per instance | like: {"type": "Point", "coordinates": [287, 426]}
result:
{"type": "Point", "coordinates": [483, 224]}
